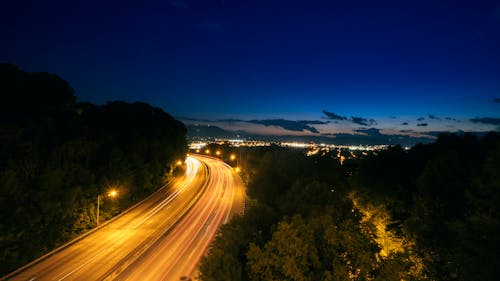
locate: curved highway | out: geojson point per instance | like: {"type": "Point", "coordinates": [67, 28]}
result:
{"type": "Point", "coordinates": [161, 238]}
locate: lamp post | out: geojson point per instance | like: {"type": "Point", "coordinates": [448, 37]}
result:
{"type": "Point", "coordinates": [112, 193]}
{"type": "Point", "coordinates": [97, 218]}
{"type": "Point", "coordinates": [238, 159]}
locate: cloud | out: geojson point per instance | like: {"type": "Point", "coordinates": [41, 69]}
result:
{"type": "Point", "coordinates": [433, 117]}
{"type": "Point", "coordinates": [420, 119]}
{"type": "Point", "coordinates": [245, 127]}
{"type": "Point", "coordinates": [486, 120]}
{"type": "Point", "coordinates": [314, 122]}
{"type": "Point", "coordinates": [297, 126]}
{"type": "Point", "coordinates": [451, 119]}
{"type": "Point", "coordinates": [405, 124]}
{"type": "Point", "coordinates": [231, 128]}
{"type": "Point", "coordinates": [333, 116]}
{"type": "Point", "coordinates": [179, 4]}
{"type": "Point", "coordinates": [356, 120]}
{"type": "Point", "coordinates": [422, 125]}
{"type": "Point", "coordinates": [363, 121]}
{"type": "Point", "coordinates": [290, 125]}
{"type": "Point", "coordinates": [370, 132]}
{"type": "Point", "coordinates": [496, 100]}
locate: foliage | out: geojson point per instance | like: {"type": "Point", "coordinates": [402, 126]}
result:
{"type": "Point", "coordinates": [448, 205]}
{"type": "Point", "coordinates": [289, 255]}
{"type": "Point", "coordinates": [300, 225]}
{"type": "Point", "coordinates": [428, 213]}
{"type": "Point", "coordinates": [57, 155]}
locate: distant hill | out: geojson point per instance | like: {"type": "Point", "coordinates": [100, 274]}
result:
{"type": "Point", "coordinates": [209, 131]}
{"type": "Point", "coordinates": [369, 137]}
{"type": "Point", "coordinates": [57, 155]}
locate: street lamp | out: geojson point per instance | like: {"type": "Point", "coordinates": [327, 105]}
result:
{"type": "Point", "coordinates": [112, 193]}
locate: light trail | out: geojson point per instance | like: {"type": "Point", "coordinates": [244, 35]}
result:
{"type": "Point", "coordinates": [178, 254]}
{"type": "Point", "coordinates": [161, 238]}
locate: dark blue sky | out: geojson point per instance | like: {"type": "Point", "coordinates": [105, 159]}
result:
{"type": "Point", "coordinates": [391, 61]}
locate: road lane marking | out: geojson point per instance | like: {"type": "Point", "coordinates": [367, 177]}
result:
{"type": "Point", "coordinates": [82, 265]}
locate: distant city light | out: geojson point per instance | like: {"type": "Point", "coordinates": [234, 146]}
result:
{"type": "Point", "coordinates": [313, 147]}
{"type": "Point", "coordinates": [341, 152]}
{"type": "Point", "coordinates": [197, 145]}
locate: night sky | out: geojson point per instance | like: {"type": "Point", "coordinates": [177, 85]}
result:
{"type": "Point", "coordinates": [398, 66]}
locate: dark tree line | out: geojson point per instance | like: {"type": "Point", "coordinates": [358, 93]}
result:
{"type": "Point", "coordinates": [445, 196]}
{"type": "Point", "coordinates": [299, 225]}
{"type": "Point", "coordinates": [306, 218]}
{"type": "Point", "coordinates": [57, 155]}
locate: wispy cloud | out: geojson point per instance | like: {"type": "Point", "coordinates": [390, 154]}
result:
{"type": "Point", "coordinates": [452, 119]}
{"type": "Point", "coordinates": [404, 124]}
{"type": "Point", "coordinates": [354, 119]}
{"type": "Point", "coordinates": [289, 125]}
{"type": "Point", "coordinates": [486, 120]}
{"type": "Point", "coordinates": [326, 130]}
{"type": "Point", "coordinates": [363, 121]}
{"type": "Point", "coordinates": [433, 117]}
{"type": "Point", "coordinates": [370, 132]}
{"type": "Point", "coordinates": [496, 100]}
{"type": "Point", "coordinates": [333, 116]}
{"type": "Point", "coordinates": [248, 127]}
{"type": "Point", "coordinates": [297, 126]}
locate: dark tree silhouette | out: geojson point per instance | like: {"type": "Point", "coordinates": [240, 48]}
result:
{"type": "Point", "coordinates": [56, 155]}
{"type": "Point", "coordinates": [442, 199]}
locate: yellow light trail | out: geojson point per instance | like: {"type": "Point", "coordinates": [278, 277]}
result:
{"type": "Point", "coordinates": [161, 238]}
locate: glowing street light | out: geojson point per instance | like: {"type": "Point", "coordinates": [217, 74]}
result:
{"type": "Point", "coordinates": [112, 193]}
{"type": "Point", "coordinates": [179, 163]}
{"type": "Point", "coordinates": [233, 157]}
{"type": "Point", "coordinates": [217, 152]}
{"type": "Point", "coordinates": [237, 169]}
{"type": "Point", "coordinates": [207, 151]}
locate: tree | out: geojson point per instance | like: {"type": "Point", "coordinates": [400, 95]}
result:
{"type": "Point", "coordinates": [56, 155]}
{"type": "Point", "coordinates": [290, 255]}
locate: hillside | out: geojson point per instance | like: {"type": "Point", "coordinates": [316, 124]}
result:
{"type": "Point", "coordinates": [58, 155]}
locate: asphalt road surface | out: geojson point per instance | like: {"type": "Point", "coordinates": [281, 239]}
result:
{"type": "Point", "coordinates": [161, 238]}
